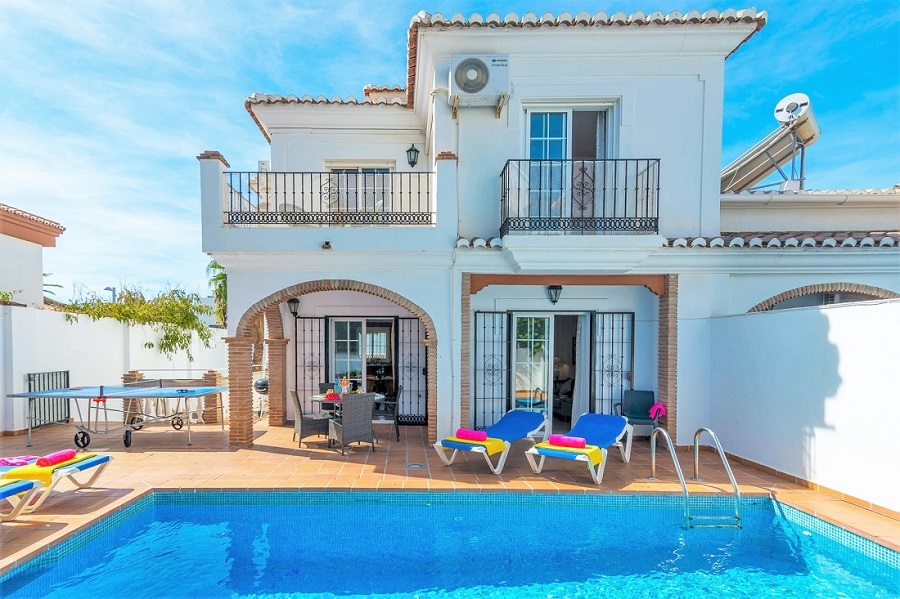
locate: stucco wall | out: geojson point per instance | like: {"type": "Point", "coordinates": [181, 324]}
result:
{"type": "Point", "coordinates": [812, 392]}
{"type": "Point", "coordinates": [21, 264]}
{"type": "Point", "coordinates": [94, 353]}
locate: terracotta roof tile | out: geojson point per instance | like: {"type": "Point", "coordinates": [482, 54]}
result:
{"type": "Point", "coordinates": [792, 239]}
{"type": "Point", "coordinates": [30, 216]}
{"type": "Point", "coordinates": [581, 20]}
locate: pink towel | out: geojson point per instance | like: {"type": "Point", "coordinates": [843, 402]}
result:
{"type": "Point", "coordinates": [657, 410]}
{"type": "Point", "coordinates": [566, 441]}
{"type": "Point", "coordinates": [19, 460]}
{"type": "Point", "coordinates": [52, 459]}
{"type": "Point", "coordinates": [470, 435]}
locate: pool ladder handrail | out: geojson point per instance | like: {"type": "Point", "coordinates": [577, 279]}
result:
{"type": "Point", "coordinates": [734, 485]}
{"type": "Point", "coordinates": [697, 521]}
{"type": "Point", "coordinates": [684, 489]}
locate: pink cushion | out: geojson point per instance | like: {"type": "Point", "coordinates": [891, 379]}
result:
{"type": "Point", "coordinates": [470, 435]}
{"type": "Point", "coordinates": [52, 459]}
{"type": "Point", "coordinates": [566, 441]}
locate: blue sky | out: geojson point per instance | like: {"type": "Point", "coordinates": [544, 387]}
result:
{"type": "Point", "coordinates": [106, 104]}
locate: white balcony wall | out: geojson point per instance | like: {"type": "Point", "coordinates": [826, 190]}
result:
{"type": "Point", "coordinates": [94, 352]}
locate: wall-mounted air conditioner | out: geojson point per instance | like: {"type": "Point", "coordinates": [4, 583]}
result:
{"type": "Point", "coordinates": [479, 80]}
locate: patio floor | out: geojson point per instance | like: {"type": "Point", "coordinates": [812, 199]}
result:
{"type": "Point", "coordinates": [159, 459]}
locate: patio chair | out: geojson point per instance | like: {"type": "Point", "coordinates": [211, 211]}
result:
{"type": "Point", "coordinates": [18, 493]}
{"type": "Point", "coordinates": [355, 422]}
{"type": "Point", "coordinates": [635, 406]}
{"type": "Point", "coordinates": [515, 425]}
{"type": "Point", "coordinates": [597, 432]}
{"type": "Point", "coordinates": [50, 476]}
{"type": "Point", "coordinates": [307, 425]}
{"type": "Point", "coordinates": [386, 412]}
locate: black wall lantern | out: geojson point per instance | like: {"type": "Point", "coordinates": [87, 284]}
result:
{"type": "Point", "coordinates": [553, 291]}
{"type": "Point", "coordinates": [412, 155]}
{"type": "Point", "coordinates": [294, 306]}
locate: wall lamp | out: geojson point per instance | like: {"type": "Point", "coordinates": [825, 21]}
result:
{"type": "Point", "coordinates": [412, 155]}
{"type": "Point", "coordinates": [294, 306]}
{"type": "Point", "coordinates": [326, 245]}
{"type": "Point", "coordinates": [553, 291]}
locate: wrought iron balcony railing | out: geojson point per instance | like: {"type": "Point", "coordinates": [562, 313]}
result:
{"type": "Point", "coordinates": [583, 197]}
{"type": "Point", "coordinates": [329, 199]}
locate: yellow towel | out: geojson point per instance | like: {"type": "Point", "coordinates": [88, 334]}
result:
{"type": "Point", "coordinates": [594, 453]}
{"type": "Point", "coordinates": [491, 445]}
{"type": "Point", "coordinates": [45, 474]}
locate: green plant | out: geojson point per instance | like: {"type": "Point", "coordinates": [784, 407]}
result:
{"type": "Point", "coordinates": [174, 314]}
{"type": "Point", "coordinates": [218, 283]}
{"type": "Point", "coordinates": [6, 296]}
{"type": "Point", "coordinates": [46, 285]}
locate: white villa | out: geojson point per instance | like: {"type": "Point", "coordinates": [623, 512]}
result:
{"type": "Point", "coordinates": [536, 219]}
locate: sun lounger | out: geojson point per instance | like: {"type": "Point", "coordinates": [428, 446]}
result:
{"type": "Point", "coordinates": [50, 476]}
{"type": "Point", "coordinates": [515, 425]}
{"type": "Point", "coordinates": [599, 431]}
{"type": "Point", "coordinates": [18, 493]}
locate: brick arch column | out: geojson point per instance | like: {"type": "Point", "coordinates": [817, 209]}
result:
{"type": "Point", "coordinates": [874, 292]}
{"type": "Point", "coordinates": [277, 352]}
{"type": "Point", "coordinates": [240, 391]}
{"type": "Point", "coordinates": [667, 357]}
{"type": "Point", "coordinates": [275, 332]}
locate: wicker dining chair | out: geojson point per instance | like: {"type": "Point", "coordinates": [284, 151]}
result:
{"type": "Point", "coordinates": [307, 425]}
{"type": "Point", "coordinates": [355, 422]}
{"type": "Point", "coordinates": [387, 412]}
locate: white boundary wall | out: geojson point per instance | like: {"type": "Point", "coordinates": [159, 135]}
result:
{"type": "Point", "coordinates": [812, 392]}
{"type": "Point", "coordinates": [94, 353]}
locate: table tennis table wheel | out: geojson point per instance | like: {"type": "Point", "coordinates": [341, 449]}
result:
{"type": "Point", "coordinates": [127, 439]}
{"type": "Point", "coordinates": [177, 423]}
{"type": "Point", "coordinates": [137, 423]}
{"type": "Point", "coordinates": [82, 439]}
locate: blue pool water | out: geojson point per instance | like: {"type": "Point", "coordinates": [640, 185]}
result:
{"type": "Point", "coordinates": [431, 546]}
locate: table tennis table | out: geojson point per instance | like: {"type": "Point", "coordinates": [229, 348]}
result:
{"type": "Point", "coordinates": [135, 415]}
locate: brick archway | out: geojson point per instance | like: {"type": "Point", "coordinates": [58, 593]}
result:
{"type": "Point", "coordinates": [874, 292]}
{"type": "Point", "coordinates": [240, 349]}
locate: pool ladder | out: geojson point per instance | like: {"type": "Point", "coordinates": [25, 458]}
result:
{"type": "Point", "coordinates": [698, 521]}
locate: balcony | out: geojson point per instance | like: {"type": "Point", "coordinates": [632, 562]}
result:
{"type": "Point", "coordinates": [580, 197]}
{"type": "Point", "coordinates": [328, 199]}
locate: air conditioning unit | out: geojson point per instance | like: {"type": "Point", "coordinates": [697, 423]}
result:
{"type": "Point", "coordinates": [479, 80]}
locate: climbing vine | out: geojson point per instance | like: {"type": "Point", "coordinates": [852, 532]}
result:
{"type": "Point", "coordinates": [174, 314]}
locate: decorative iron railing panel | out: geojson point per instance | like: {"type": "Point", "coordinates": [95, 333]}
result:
{"type": "Point", "coordinates": [411, 371]}
{"type": "Point", "coordinates": [612, 366]}
{"type": "Point", "coordinates": [312, 358]}
{"type": "Point", "coordinates": [491, 368]}
{"type": "Point", "coordinates": [49, 410]}
{"type": "Point", "coordinates": [329, 199]}
{"type": "Point", "coordinates": [585, 197]}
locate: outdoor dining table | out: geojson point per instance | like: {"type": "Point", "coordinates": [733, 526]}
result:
{"type": "Point", "coordinates": [319, 398]}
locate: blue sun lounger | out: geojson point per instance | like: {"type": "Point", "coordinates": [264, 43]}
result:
{"type": "Point", "coordinates": [599, 432]}
{"type": "Point", "coordinates": [18, 493]}
{"type": "Point", "coordinates": [50, 476]}
{"type": "Point", "coordinates": [515, 425]}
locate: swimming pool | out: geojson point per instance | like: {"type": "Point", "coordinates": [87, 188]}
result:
{"type": "Point", "coordinates": [437, 545]}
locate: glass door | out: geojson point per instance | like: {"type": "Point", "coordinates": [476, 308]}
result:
{"type": "Point", "coordinates": [532, 362]}
{"type": "Point", "coordinates": [348, 352]}
{"type": "Point", "coordinates": [547, 147]}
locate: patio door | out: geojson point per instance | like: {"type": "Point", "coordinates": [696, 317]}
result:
{"type": "Point", "coordinates": [532, 366]}
{"type": "Point", "coordinates": [564, 148]}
